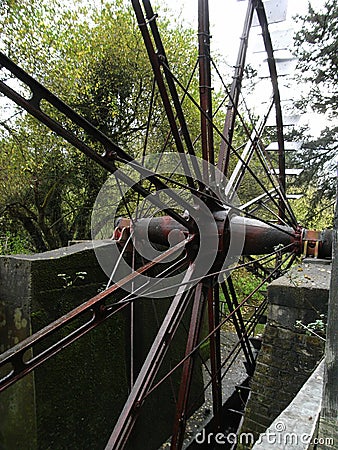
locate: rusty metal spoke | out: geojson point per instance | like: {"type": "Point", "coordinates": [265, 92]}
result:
{"type": "Point", "coordinates": [157, 59]}
{"type": "Point", "coordinates": [153, 361]}
{"type": "Point", "coordinates": [187, 370]}
{"type": "Point", "coordinates": [224, 154]}
{"type": "Point", "coordinates": [99, 313]}
{"type": "Point", "coordinates": [231, 300]}
{"type": "Point", "coordinates": [113, 152]}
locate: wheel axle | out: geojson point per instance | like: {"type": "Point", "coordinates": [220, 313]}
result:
{"type": "Point", "coordinates": [259, 237]}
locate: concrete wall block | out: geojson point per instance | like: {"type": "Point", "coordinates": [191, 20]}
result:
{"type": "Point", "coordinates": [304, 286]}
{"type": "Point", "coordinates": [264, 410]}
{"type": "Point", "coordinates": [260, 419]}
{"type": "Point", "coordinates": [285, 334]}
{"type": "Point", "coordinates": [314, 345]}
{"type": "Point", "coordinates": [287, 317]}
{"type": "Point", "coordinates": [14, 291]}
{"type": "Point", "coordinates": [264, 395]}
{"type": "Point", "coordinates": [74, 399]}
{"type": "Point", "coordinates": [47, 267]}
{"type": "Point", "coordinates": [271, 382]}
{"type": "Point", "coordinates": [276, 357]}
{"type": "Point", "coordinates": [17, 405]}
{"type": "Point", "coordinates": [266, 370]}
{"type": "Point", "coordinates": [297, 296]}
{"type": "Point", "coordinates": [282, 317]}
{"type": "Point", "coordinates": [256, 428]}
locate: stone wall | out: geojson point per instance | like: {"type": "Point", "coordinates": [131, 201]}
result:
{"type": "Point", "coordinates": [69, 398]}
{"type": "Point", "coordinates": [289, 354]}
{"type": "Point", "coordinates": [296, 426]}
{"type": "Point", "coordinates": [72, 401]}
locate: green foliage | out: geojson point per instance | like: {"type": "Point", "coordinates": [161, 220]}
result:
{"type": "Point", "coordinates": [91, 56]}
{"type": "Point", "coordinates": [317, 328]}
{"type": "Point", "coordinates": [14, 244]}
{"type": "Point", "coordinates": [314, 210]}
{"type": "Point", "coordinates": [317, 52]}
{"type": "Point", "coordinates": [317, 182]}
{"type": "Point", "coordinates": [245, 283]}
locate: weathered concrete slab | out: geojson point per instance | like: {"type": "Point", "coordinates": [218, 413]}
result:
{"type": "Point", "coordinates": [305, 286]}
{"type": "Point", "coordinates": [73, 400]}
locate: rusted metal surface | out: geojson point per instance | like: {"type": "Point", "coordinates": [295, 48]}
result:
{"type": "Point", "coordinates": [279, 118]}
{"type": "Point", "coordinates": [188, 367]}
{"type": "Point", "coordinates": [311, 240]}
{"type": "Point", "coordinates": [159, 230]}
{"type": "Point", "coordinates": [317, 244]}
{"type": "Point", "coordinates": [158, 60]}
{"type": "Point", "coordinates": [229, 125]}
{"type": "Point", "coordinates": [205, 87]}
{"type": "Point", "coordinates": [260, 238]}
{"type": "Point", "coordinates": [157, 352]}
{"type": "Point", "coordinates": [215, 359]}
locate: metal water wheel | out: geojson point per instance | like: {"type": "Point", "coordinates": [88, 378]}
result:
{"type": "Point", "coordinates": [186, 235]}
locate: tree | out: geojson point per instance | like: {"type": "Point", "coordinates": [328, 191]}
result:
{"type": "Point", "coordinates": [317, 47]}
{"type": "Point", "coordinates": [93, 58]}
{"type": "Point", "coordinates": [317, 50]}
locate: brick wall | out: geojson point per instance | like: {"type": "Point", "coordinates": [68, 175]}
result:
{"type": "Point", "coordinates": [289, 353]}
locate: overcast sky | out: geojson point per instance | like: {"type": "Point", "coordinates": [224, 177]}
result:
{"type": "Point", "coordinates": [226, 19]}
{"type": "Point", "coordinates": [226, 24]}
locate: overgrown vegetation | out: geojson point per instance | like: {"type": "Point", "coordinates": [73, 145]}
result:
{"type": "Point", "coordinates": [92, 57]}
{"type": "Point", "coordinates": [317, 50]}
{"type": "Point", "coordinates": [244, 284]}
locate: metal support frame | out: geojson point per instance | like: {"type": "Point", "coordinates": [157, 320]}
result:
{"type": "Point", "coordinates": [259, 237]}
{"type": "Point", "coordinates": [205, 87]}
{"type": "Point", "coordinates": [188, 368]}
{"type": "Point", "coordinates": [157, 352]}
{"type": "Point", "coordinates": [279, 116]}
{"type": "Point", "coordinates": [229, 125]}
{"type": "Point", "coordinates": [231, 299]}
{"type": "Point", "coordinates": [215, 357]}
